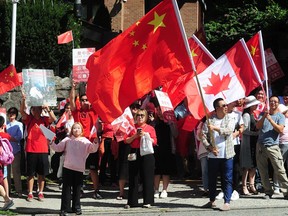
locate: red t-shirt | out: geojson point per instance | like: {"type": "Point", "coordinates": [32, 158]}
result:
{"type": "Point", "coordinates": [87, 118]}
{"type": "Point", "coordinates": [5, 135]}
{"type": "Point", "coordinates": [145, 128]}
{"type": "Point", "coordinates": [36, 141]}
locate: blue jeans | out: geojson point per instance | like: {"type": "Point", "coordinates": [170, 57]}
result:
{"type": "Point", "coordinates": [225, 167]}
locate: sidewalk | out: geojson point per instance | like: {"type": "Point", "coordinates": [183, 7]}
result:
{"type": "Point", "coordinates": [184, 198]}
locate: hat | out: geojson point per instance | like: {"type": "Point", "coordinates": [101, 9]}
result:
{"type": "Point", "coordinates": [282, 108]}
{"type": "Point", "coordinates": [251, 101]}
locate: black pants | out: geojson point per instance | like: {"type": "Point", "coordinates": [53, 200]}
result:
{"type": "Point", "coordinates": [107, 158]}
{"type": "Point", "coordinates": [144, 165]}
{"type": "Point", "coordinates": [71, 180]}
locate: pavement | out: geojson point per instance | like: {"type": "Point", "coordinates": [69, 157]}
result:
{"type": "Point", "coordinates": [184, 198]}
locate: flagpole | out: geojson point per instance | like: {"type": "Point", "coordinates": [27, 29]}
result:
{"type": "Point", "coordinates": [182, 29]}
{"type": "Point", "coordinates": [13, 33]}
{"type": "Point", "coordinates": [264, 69]}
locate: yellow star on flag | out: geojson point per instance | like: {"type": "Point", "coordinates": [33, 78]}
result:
{"type": "Point", "coordinates": [193, 53]}
{"type": "Point", "coordinates": [144, 47]}
{"type": "Point", "coordinates": [253, 51]}
{"type": "Point", "coordinates": [11, 74]}
{"type": "Point", "coordinates": [136, 43]}
{"type": "Point", "coordinates": [132, 33]}
{"type": "Point", "coordinates": [157, 21]}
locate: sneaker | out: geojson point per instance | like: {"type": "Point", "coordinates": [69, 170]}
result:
{"type": "Point", "coordinates": [7, 205]}
{"type": "Point", "coordinates": [30, 197]}
{"type": "Point", "coordinates": [277, 191]}
{"type": "Point", "coordinates": [235, 195]}
{"type": "Point", "coordinates": [267, 196]}
{"type": "Point", "coordinates": [64, 213]}
{"type": "Point", "coordinates": [78, 212]}
{"type": "Point", "coordinates": [164, 194]}
{"type": "Point", "coordinates": [209, 205]}
{"type": "Point", "coordinates": [41, 197]}
{"type": "Point", "coordinates": [220, 196]}
{"type": "Point", "coordinates": [97, 195]}
{"type": "Point", "coordinates": [225, 207]}
{"type": "Point", "coordinates": [156, 194]}
{"type": "Point", "coordinates": [147, 206]}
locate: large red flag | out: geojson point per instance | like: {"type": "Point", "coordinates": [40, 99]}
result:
{"type": "Point", "coordinates": [65, 37]}
{"type": "Point", "coordinates": [256, 49]}
{"type": "Point", "coordinates": [151, 52]}
{"type": "Point", "coordinates": [230, 77]}
{"type": "Point", "coordinates": [8, 79]}
{"type": "Point", "coordinates": [202, 59]}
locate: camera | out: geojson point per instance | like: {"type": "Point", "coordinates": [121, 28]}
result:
{"type": "Point", "coordinates": [139, 130]}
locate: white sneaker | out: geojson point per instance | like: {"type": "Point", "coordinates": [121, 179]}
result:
{"type": "Point", "coordinates": [156, 194]}
{"type": "Point", "coordinates": [235, 195]}
{"type": "Point", "coordinates": [220, 196]}
{"type": "Point", "coordinates": [164, 194]}
{"type": "Point", "coordinates": [276, 191]}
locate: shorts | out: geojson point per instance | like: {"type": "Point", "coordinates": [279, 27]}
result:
{"type": "Point", "coordinates": [37, 163]}
{"type": "Point", "coordinates": [92, 161]}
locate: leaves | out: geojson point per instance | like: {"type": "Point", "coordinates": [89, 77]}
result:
{"type": "Point", "coordinates": [218, 84]}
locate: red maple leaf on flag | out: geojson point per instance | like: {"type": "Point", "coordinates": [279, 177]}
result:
{"type": "Point", "coordinates": [218, 85]}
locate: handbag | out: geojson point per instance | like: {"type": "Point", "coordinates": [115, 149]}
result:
{"type": "Point", "coordinates": [146, 145]}
{"type": "Point", "coordinates": [132, 157]}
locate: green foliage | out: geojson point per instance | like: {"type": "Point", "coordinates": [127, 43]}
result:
{"type": "Point", "coordinates": [38, 25]}
{"type": "Point", "coordinates": [234, 20]}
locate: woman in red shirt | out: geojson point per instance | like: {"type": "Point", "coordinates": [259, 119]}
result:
{"type": "Point", "coordinates": [143, 165]}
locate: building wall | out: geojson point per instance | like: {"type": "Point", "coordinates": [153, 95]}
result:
{"type": "Point", "coordinates": [125, 14]}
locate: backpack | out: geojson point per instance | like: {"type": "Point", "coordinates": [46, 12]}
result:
{"type": "Point", "coordinates": [6, 152]}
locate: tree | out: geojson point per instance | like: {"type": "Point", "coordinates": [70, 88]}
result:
{"type": "Point", "coordinates": [228, 21]}
{"type": "Point", "coordinates": [38, 24]}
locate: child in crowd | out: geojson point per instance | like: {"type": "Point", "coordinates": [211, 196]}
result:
{"type": "Point", "coordinates": [3, 172]}
{"type": "Point", "coordinates": [76, 150]}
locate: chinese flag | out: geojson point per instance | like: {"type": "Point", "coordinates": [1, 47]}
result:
{"type": "Point", "coordinates": [8, 79]}
{"type": "Point", "coordinates": [202, 59]}
{"type": "Point", "coordinates": [256, 49]}
{"type": "Point", "coordinates": [65, 37]}
{"type": "Point", "coordinates": [149, 53]}
{"type": "Point", "coordinates": [231, 77]}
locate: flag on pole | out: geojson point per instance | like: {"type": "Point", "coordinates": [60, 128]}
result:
{"type": "Point", "coordinates": [256, 49]}
{"type": "Point", "coordinates": [8, 79]}
{"type": "Point", "coordinates": [231, 77]}
{"type": "Point", "coordinates": [149, 53]}
{"type": "Point", "coordinates": [202, 59]}
{"type": "Point", "coordinates": [65, 37]}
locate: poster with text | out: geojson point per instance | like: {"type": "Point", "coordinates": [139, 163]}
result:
{"type": "Point", "coordinates": [39, 87]}
{"type": "Point", "coordinates": [166, 106]}
{"type": "Point", "coordinates": [79, 72]}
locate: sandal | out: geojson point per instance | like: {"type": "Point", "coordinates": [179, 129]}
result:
{"type": "Point", "coordinates": [253, 189]}
{"type": "Point", "coordinates": [245, 191]}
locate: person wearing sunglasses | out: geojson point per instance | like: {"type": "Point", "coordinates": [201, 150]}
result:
{"type": "Point", "coordinates": [271, 124]}
{"type": "Point", "coordinates": [142, 165]}
{"type": "Point", "coordinates": [217, 137]}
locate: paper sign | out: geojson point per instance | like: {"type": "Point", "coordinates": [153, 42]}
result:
{"type": "Point", "coordinates": [80, 57]}
{"type": "Point", "coordinates": [166, 106]}
{"type": "Point", "coordinates": [274, 70]}
{"type": "Point", "coordinates": [47, 133]}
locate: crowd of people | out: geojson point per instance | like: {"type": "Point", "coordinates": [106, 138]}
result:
{"type": "Point", "coordinates": [244, 141]}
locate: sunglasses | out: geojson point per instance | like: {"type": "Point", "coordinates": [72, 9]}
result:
{"type": "Point", "coordinates": [84, 100]}
{"type": "Point", "coordinates": [224, 105]}
{"type": "Point", "coordinates": [140, 115]}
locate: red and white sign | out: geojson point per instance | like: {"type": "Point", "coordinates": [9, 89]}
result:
{"type": "Point", "coordinates": [273, 68]}
{"type": "Point", "coordinates": [123, 125]}
{"type": "Point", "coordinates": [166, 106]}
{"type": "Point", "coordinates": [80, 56]}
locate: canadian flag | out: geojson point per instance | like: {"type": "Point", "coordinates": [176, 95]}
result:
{"type": "Point", "coordinates": [256, 49]}
{"type": "Point", "coordinates": [202, 58]}
{"type": "Point", "coordinates": [62, 121]}
{"type": "Point", "coordinates": [231, 77]}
